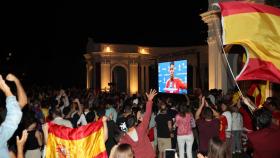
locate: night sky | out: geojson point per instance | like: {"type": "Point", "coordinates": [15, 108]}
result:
{"type": "Point", "coordinates": [44, 43]}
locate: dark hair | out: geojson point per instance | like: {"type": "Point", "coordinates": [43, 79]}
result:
{"type": "Point", "coordinates": [56, 112]}
{"type": "Point", "coordinates": [127, 108]}
{"type": "Point", "coordinates": [183, 109]}
{"type": "Point", "coordinates": [117, 134]}
{"type": "Point", "coordinates": [135, 110]}
{"type": "Point", "coordinates": [171, 63]}
{"type": "Point", "coordinates": [29, 119]}
{"type": "Point", "coordinates": [100, 112]}
{"type": "Point", "coordinates": [86, 105]}
{"type": "Point", "coordinates": [273, 101]}
{"type": "Point", "coordinates": [162, 103]}
{"type": "Point", "coordinates": [123, 151]}
{"type": "Point", "coordinates": [218, 149]}
{"type": "Point", "coordinates": [61, 103]}
{"type": "Point", "coordinates": [207, 113]}
{"type": "Point", "coordinates": [66, 110]}
{"type": "Point", "coordinates": [262, 118]}
{"type": "Point", "coordinates": [134, 96]}
{"type": "Point", "coordinates": [90, 116]}
{"type": "Point", "coordinates": [208, 100]}
{"type": "Point", "coordinates": [130, 121]}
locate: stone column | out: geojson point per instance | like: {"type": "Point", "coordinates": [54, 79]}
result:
{"type": "Point", "coordinates": [105, 75]}
{"type": "Point", "coordinates": [94, 76]}
{"type": "Point", "coordinates": [142, 79]}
{"type": "Point", "coordinates": [133, 78]}
{"type": "Point", "coordinates": [216, 62]}
{"type": "Point", "coordinates": [89, 68]}
{"type": "Point", "coordinates": [147, 86]}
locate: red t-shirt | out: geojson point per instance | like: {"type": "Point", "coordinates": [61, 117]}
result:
{"type": "Point", "coordinates": [223, 126]}
{"type": "Point", "coordinates": [265, 142]}
{"type": "Point", "coordinates": [143, 147]}
{"type": "Point", "coordinates": [207, 130]}
{"type": "Point", "coordinates": [247, 120]}
{"type": "Point", "coordinates": [174, 86]}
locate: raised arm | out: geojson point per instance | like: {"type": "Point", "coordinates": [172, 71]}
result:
{"type": "Point", "coordinates": [65, 100]}
{"type": "Point", "coordinates": [79, 106]}
{"type": "Point", "coordinates": [22, 98]}
{"type": "Point", "coordinates": [20, 144]}
{"type": "Point", "coordinates": [215, 113]}
{"type": "Point", "coordinates": [45, 128]}
{"type": "Point", "coordinates": [252, 107]}
{"type": "Point", "coordinates": [187, 99]}
{"type": "Point", "coordinates": [104, 121]}
{"type": "Point", "coordinates": [13, 116]}
{"type": "Point", "coordinates": [39, 138]}
{"type": "Point", "coordinates": [146, 118]}
{"type": "Point", "coordinates": [199, 110]}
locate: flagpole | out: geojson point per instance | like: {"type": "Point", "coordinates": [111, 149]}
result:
{"type": "Point", "coordinates": [231, 72]}
{"type": "Point", "coordinates": [251, 107]}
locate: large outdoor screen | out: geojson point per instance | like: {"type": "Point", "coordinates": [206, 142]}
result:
{"type": "Point", "coordinates": [172, 77]}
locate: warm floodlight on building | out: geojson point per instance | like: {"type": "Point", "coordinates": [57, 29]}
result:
{"type": "Point", "coordinates": [143, 50]}
{"type": "Point", "coordinates": [107, 49]}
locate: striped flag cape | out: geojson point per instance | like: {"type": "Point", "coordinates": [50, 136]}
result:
{"type": "Point", "coordinates": [257, 28]}
{"type": "Point", "coordinates": [83, 142]}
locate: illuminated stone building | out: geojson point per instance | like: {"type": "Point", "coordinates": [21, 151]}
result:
{"type": "Point", "coordinates": [133, 68]}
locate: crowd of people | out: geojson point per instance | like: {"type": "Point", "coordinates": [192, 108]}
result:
{"type": "Point", "coordinates": [212, 124]}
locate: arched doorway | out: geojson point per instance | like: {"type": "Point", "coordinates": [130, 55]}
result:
{"type": "Point", "coordinates": [119, 79]}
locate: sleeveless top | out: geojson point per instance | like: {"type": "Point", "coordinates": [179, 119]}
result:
{"type": "Point", "coordinates": [31, 142]}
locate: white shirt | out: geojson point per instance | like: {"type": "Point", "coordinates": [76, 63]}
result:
{"type": "Point", "coordinates": [133, 135]}
{"type": "Point", "coordinates": [237, 121]}
{"type": "Point", "coordinates": [83, 119]}
{"type": "Point", "coordinates": [135, 101]}
{"type": "Point", "coordinates": [227, 114]}
{"type": "Point", "coordinates": [62, 122]}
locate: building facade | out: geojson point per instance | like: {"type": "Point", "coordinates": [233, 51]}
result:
{"type": "Point", "coordinates": [133, 69]}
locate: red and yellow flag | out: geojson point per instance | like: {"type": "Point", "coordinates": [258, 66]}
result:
{"type": "Point", "coordinates": [258, 91]}
{"type": "Point", "coordinates": [257, 28]}
{"type": "Point", "coordinates": [86, 141]}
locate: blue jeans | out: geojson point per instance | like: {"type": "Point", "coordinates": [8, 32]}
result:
{"type": "Point", "coordinates": [236, 143]}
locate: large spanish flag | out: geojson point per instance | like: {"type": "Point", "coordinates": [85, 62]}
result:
{"type": "Point", "coordinates": [257, 28]}
{"type": "Point", "coordinates": [83, 142]}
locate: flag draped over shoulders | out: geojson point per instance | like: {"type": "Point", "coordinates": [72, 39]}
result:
{"type": "Point", "coordinates": [86, 141]}
{"type": "Point", "coordinates": [257, 28]}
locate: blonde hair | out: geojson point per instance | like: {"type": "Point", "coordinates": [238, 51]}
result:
{"type": "Point", "coordinates": [123, 151]}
